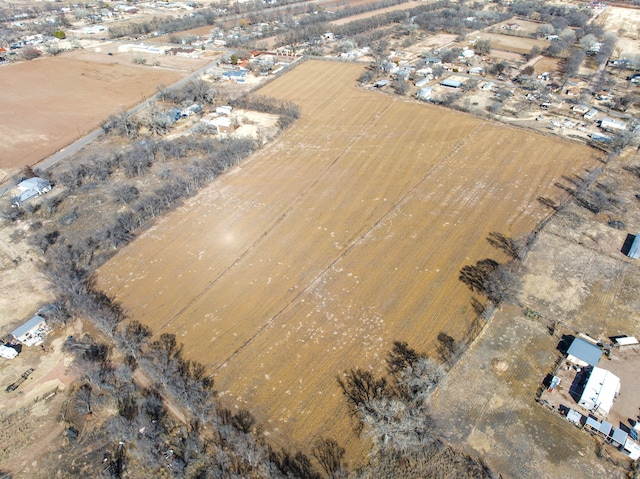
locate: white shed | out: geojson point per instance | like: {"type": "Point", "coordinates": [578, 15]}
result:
{"type": "Point", "coordinates": [632, 449]}
{"type": "Point", "coordinates": [7, 353]}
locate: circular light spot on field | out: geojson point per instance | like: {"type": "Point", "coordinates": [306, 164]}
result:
{"type": "Point", "coordinates": [499, 364]}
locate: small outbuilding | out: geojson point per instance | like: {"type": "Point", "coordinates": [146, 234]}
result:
{"type": "Point", "coordinates": [575, 417]}
{"type": "Point", "coordinates": [424, 94]}
{"type": "Point", "coordinates": [631, 246]}
{"type": "Point", "coordinates": [632, 449]}
{"type": "Point", "coordinates": [583, 353]}
{"type": "Point", "coordinates": [600, 391]}
{"type": "Point", "coordinates": [622, 341]}
{"type": "Point", "coordinates": [7, 352]}
{"type": "Point", "coordinates": [31, 333]}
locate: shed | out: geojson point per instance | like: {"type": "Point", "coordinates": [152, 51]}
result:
{"type": "Point", "coordinates": [424, 94]}
{"type": "Point", "coordinates": [574, 417]}
{"type": "Point", "coordinates": [30, 333]}
{"type": "Point", "coordinates": [451, 83]}
{"type": "Point", "coordinates": [632, 449]}
{"type": "Point", "coordinates": [631, 246]}
{"type": "Point", "coordinates": [600, 391]}
{"type": "Point", "coordinates": [7, 352]}
{"type": "Point", "coordinates": [590, 114]}
{"type": "Point", "coordinates": [619, 437]}
{"type": "Point", "coordinates": [224, 110]}
{"type": "Point", "coordinates": [422, 82]}
{"type": "Point", "coordinates": [600, 137]}
{"type": "Point", "coordinates": [625, 341]}
{"type": "Point", "coordinates": [583, 353]}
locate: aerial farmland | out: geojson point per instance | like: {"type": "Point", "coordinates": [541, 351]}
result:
{"type": "Point", "coordinates": [345, 234]}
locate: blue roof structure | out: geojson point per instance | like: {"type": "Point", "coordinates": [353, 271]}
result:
{"type": "Point", "coordinates": [585, 351]}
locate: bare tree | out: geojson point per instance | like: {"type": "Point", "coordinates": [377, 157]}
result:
{"type": "Point", "coordinates": [329, 454]}
{"type": "Point", "coordinates": [502, 285]}
{"type": "Point", "coordinates": [243, 421]}
{"type": "Point", "coordinates": [83, 400]}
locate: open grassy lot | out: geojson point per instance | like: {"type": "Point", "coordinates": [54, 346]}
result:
{"type": "Point", "coordinates": [346, 233]}
{"type": "Point", "coordinates": [55, 100]}
{"type": "Point", "coordinates": [512, 43]}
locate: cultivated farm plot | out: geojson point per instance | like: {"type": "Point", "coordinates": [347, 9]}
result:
{"type": "Point", "coordinates": [346, 233]}
{"type": "Point", "coordinates": [43, 116]}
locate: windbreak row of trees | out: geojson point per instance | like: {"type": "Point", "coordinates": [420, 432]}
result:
{"type": "Point", "coordinates": [198, 18]}
{"type": "Point", "coordinates": [172, 425]}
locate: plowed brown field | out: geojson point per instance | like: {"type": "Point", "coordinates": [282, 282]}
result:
{"type": "Point", "coordinates": [346, 233]}
{"type": "Point", "coordinates": [50, 102]}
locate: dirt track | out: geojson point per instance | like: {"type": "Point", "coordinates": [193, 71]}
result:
{"type": "Point", "coordinates": [347, 233]}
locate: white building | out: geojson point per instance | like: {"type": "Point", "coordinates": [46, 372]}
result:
{"type": "Point", "coordinates": [611, 124]}
{"type": "Point", "coordinates": [29, 188]}
{"type": "Point", "coordinates": [7, 352]}
{"type": "Point", "coordinates": [600, 391]}
{"type": "Point", "coordinates": [31, 333]}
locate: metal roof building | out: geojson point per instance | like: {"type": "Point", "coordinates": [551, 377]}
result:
{"type": "Point", "coordinates": [451, 83]}
{"type": "Point", "coordinates": [632, 246]}
{"type": "Point", "coordinates": [28, 334]}
{"type": "Point", "coordinates": [583, 353]}
{"type": "Point", "coordinates": [600, 391]}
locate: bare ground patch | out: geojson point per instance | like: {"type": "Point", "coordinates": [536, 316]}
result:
{"type": "Point", "coordinates": [49, 115]}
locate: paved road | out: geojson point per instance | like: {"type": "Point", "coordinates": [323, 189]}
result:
{"type": "Point", "coordinates": [77, 145]}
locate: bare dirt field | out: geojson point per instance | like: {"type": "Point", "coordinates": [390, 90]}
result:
{"type": "Point", "coordinates": [578, 278]}
{"type": "Point", "coordinates": [346, 233]}
{"type": "Point", "coordinates": [435, 41]}
{"type": "Point", "coordinates": [47, 115]}
{"type": "Point", "coordinates": [24, 288]}
{"type": "Point", "coordinates": [546, 64]}
{"type": "Point", "coordinates": [512, 43]}
{"type": "Point", "coordinates": [402, 6]}
{"type": "Point", "coordinates": [107, 52]}
{"type": "Point", "coordinates": [615, 19]}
